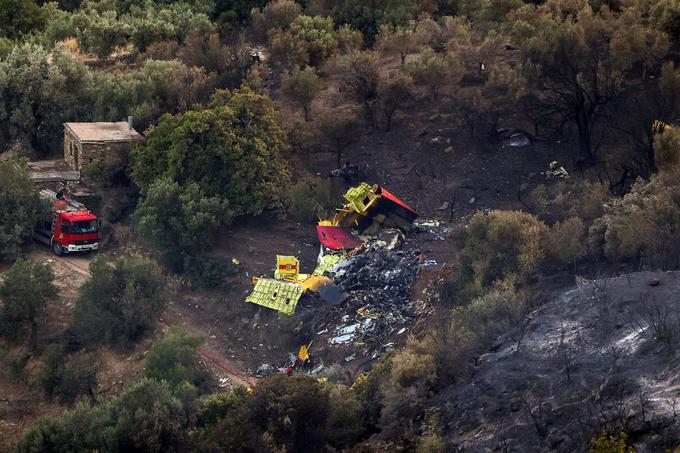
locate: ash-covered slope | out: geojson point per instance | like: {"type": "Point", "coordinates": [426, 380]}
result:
{"type": "Point", "coordinates": [604, 356]}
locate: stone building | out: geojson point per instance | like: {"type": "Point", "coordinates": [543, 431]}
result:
{"type": "Point", "coordinates": [85, 143]}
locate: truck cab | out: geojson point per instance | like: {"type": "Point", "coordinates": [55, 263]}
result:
{"type": "Point", "coordinates": [67, 226]}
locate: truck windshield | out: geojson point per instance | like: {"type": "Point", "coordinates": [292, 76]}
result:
{"type": "Point", "coordinates": [85, 227]}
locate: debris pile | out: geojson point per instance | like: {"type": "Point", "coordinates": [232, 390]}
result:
{"type": "Point", "coordinates": [360, 293]}
{"type": "Point", "coordinates": [379, 282]}
{"type": "Point", "coordinates": [377, 276]}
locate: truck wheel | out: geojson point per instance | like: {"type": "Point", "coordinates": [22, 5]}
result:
{"type": "Point", "coordinates": [57, 249]}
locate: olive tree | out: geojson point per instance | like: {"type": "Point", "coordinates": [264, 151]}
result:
{"type": "Point", "coordinates": [120, 302]}
{"type": "Point", "coordinates": [302, 86]}
{"type": "Point", "coordinates": [25, 290]}
{"type": "Point", "coordinates": [579, 61]}
{"type": "Point", "coordinates": [18, 197]}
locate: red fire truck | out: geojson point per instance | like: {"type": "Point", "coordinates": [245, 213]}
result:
{"type": "Point", "coordinates": [67, 226]}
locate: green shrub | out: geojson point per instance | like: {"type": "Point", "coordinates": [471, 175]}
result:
{"type": "Point", "coordinates": [564, 242]}
{"type": "Point", "coordinates": [606, 443]}
{"type": "Point", "coordinates": [18, 197]}
{"type": "Point", "coordinates": [346, 420]}
{"type": "Point", "coordinates": [319, 35]}
{"type": "Point", "coordinates": [67, 378]}
{"type": "Point", "coordinates": [561, 201]}
{"type": "Point", "coordinates": [13, 363]}
{"type": "Point", "coordinates": [174, 359]}
{"type": "Point", "coordinates": [120, 302]}
{"type": "Point", "coordinates": [643, 225]}
{"type": "Point", "coordinates": [179, 223]}
{"type": "Point", "coordinates": [310, 198]}
{"type": "Point", "coordinates": [232, 150]}
{"type": "Point", "coordinates": [24, 292]}
{"type": "Point", "coordinates": [208, 271]}
{"type": "Point", "coordinates": [499, 246]}
{"type": "Point", "coordinates": [145, 417]}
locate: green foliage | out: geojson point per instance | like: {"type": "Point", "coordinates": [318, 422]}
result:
{"type": "Point", "coordinates": [158, 87]}
{"type": "Point", "coordinates": [368, 389]}
{"type": "Point", "coordinates": [13, 363]}
{"type": "Point", "coordinates": [178, 223]}
{"type": "Point", "coordinates": [277, 14]}
{"type": "Point", "coordinates": [339, 130]}
{"type": "Point", "coordinates": [398, 40]}
{"type": "Point", "coordinates": [209, 271]}
{"type": "Point", "coordinates": [39, 91]}
{"type": "Point", "coordinates": [293, 411]}
{"type": "Point", "coordinates": [20, 17]}
{"type": "Point", "coordinates": [319, 35]}
{"type": "Point", "coordinates": [67, 378]}
{"type": "Point", "coordinates": [302, 86]}
{"type": "Point", "coordinates": [174, 359]}
{"type": "Point", "coordinates": [499, 246]}
{"type": "Point", "coordinates": [173, 21]}
{"type": "Point", "coordinates": [564, 243]}
{"type": "Point", "coordinates": [100, 33]}
{"type": "Point", "coordinates": [606, 443]}
{"type": "Point", "coordinates": [235, 11]}
{"type": "Point", "coordinates": [310, 198]}
{"type": "Point", "coordinates": [21, 204]}
{"type": "Point", "coordinates": [563, 200]}
{"type": "Point", "coordinates": [430, 70]}
{"type": "Point", "coordinates": [363, 80]}
{"type": "Point", "coordinates": [120, 302]}
{"type": "Point", "coordinates": [346, 420]}
{"type": "Point", "coordinates": [643, 225]}
{"type": "Point", "coordinates": [24, 292]}
{"type": "Point", "coordinates": [349, 40]}
{"type": "Point", "coordinates": [470, 331]}
{"type": "Point", "coordinates": [232, 150]}
{"type": "Point", "coordinates": [110, 176]}
{"type": "Point", "coordinates": [145, 417]}
{"type": "Point", "coordinates": [227, 63]}
{"type": "Point", "coordinates": [394, 94]}
{"type": "Point", "coordinates": [579, 59]}
{"type": "Point", "coordinates": [287, 50]}
{"type": "Point", "coordinates": [79, 430]}
{"type": "Point", "coordinates": [282, 412]}
{"type": "Point", "coordinates": [101, 30]}
{"type": "Point", "coordinates": [6, 46]}
{"type": "Point", "coordinates": [367, 17]}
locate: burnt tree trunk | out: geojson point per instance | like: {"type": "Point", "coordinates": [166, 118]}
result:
{"type": "Point", "coordinates": [582, 119]}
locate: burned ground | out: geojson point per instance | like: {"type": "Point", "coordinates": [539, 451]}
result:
{"type": "Point", "coordinates": [601, 356]}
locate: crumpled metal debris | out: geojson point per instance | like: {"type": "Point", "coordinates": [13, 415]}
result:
{"type": "Point", "coordinates": [379, 282]}
{"type": "Point", "coordinates": [266, 370]}
{"type": "Point", "coordinates": [555, 170]}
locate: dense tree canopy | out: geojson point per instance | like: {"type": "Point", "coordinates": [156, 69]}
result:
{"type": "Point", "coordinates": [120, 302]}
{"type": "Point", "coordinates": [24, 292]}
{"type": "Point", "coordinates": [232, 150]}
{"type": "Point", "coordinates": [20, 17]}
{"type": "Point", "coordinates": [146, 417]}
{"type": "Point", "coordinates": [39, 91]}
{"type": "Point", "coordinates": [18, 197]}
{"type": "Point", "coordinates": [174, 359]}
{"type": "Point", "coordinates": [577, 59]}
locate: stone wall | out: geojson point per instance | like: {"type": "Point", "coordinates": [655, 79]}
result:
{"type": "Point", "coordinates": [79, 155]}
{"type": "Point", "coordinates": [72, 150]}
